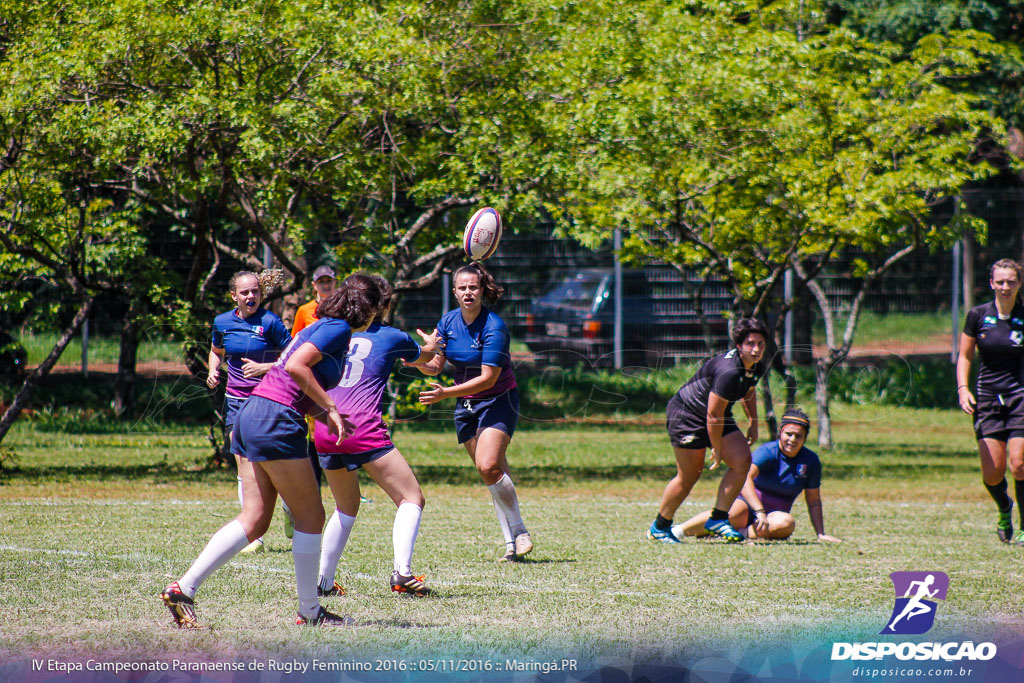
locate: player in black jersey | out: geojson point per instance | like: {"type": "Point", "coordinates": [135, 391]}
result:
{"type": "Point", "coordinates": [996, 330]}
{"type": "Point", "coordinates": [700, 417]}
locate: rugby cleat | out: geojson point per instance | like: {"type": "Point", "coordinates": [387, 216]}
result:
{"type": "Point", "coordinates": [413, 585]}
{"type": "Point", "coordinates": [523, 544]}
{"type": "Point", "coordinates": [661, 535]}
{"type": "Point", "coordinates": [182, 607]}
{"type": "Point", "coordinates": [722, 529]}
{"type": "Point", "coordinates": [324, 618]}
{"type": "Point", "coordinates": [327, 588]}
{"type": "Point", "coordinates": [1004, 525]}
{"type": "Point", "coordinates": [253, 548]}
{"type": "Point", "coordinates": [1018, 538]}
{"type": "Point", "coordinates": [510, 553]}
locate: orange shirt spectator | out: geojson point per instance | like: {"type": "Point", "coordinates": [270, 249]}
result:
{"type": "Point", "coordinates": [323, 282]}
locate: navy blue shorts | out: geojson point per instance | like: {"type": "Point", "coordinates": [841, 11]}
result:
{"type": "Point", "coordinates": [232, 405]}
{"type": "Point", "coordinates": [268, 430]}
{"type": "Point", "coordinates": [353, 461]}
{"type": "Point", "coordinates": [473, 415]}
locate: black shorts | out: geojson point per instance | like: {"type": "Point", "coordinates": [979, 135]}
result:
{"type": "Point", "coordinates": [999, 419]}
{"type": "Point", "coordinates": [473, 415]}
{"type": "Point", "coordinates": [686, 429]}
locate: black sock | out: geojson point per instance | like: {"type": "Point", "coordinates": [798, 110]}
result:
{"type": "Point", "coordinates": [662, 523]}
{"type": "Point", "coordinates": [998, 493]}
{"type": "Point", "coordinates": [717, 514]}
{"type": "Point", "coordinates": [1018, 488]}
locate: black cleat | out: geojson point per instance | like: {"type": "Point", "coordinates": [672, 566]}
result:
{"type": "Point", "coordinates": [324, 618]}
{"type": "Point", "coordinates": [182, 607]}
{"type": "Point", "coordinates": [413, 585]}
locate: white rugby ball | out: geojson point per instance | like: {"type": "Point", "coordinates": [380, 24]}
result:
{"type": "Point", "coordinates": [483, 232]}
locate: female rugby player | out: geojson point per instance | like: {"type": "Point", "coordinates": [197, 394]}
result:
{"type": "Point", "coordinates": [249, 338]}
{"type": "Point", "coordinates": [476, 342]}
{"type": "Point", "coordinates": [996, 331]}
{"type": "Point", "coordinates": [360, 396]}
{"type": "Point", "coordinates": [700, 417]}
{"type": "Point", "coordinates": [779, 471]}
{"type": "Point", "coordinates": [270, 434]}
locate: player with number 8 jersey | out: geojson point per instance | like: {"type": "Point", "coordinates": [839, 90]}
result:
{"type": "Point", "coordinates": [360, 396]}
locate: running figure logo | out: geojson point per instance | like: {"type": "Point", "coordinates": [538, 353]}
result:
{"type": "Point", "coordinates": [914, 612]}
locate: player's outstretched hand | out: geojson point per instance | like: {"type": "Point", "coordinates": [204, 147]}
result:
{"type": "Point", "coordinates": [432, 395]}
{"type": "Point", "coordinates": [828, 539]}
{"type": "Point", "coordinates": [429, 340]}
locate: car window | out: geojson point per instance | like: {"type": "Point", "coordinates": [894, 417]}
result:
{"type": "Point", "coordinates": [574, 292]}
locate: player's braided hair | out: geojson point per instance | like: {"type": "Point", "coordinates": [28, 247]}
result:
{"type": "Point", "coordinates": [355, 302]}
{"type": "Point", "coordinates": [386, 292]}
{"type": "Point", "coordinates": [268, 279]}
{"type": "Point", "coordinates": [492, 291]}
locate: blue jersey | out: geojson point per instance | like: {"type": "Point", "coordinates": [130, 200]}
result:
{"type": "Point", "coordinates": [260, 337]}
{"type": "Point", "coordinates": [780, 479]}
{"type": "Point", "coordinates": [360, 394]}
{"type": "Point", "coordinates": [331, 337]}
{"type": "Point", "coordinates": [483, 342]}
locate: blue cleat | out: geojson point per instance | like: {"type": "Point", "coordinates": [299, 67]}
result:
{"type": "Point", "coordinates": [722, 529]}
{"type": "Point", "coordinates": [662, 535]}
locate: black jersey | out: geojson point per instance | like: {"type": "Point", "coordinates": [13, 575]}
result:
{"type": "Point", "coordinates": [724, 375]}
{"type": "Point", "coordinates": [1000, 349]}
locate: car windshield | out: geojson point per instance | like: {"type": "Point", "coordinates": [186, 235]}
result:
{"type": "Point", "coordinates": [576, 292]}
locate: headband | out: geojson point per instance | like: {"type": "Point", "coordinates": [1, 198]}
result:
{"type": "Point", "coordinates": [796, 420]}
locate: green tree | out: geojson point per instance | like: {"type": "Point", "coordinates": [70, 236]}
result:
{"type": "Point", "coordinates": [746, 141]}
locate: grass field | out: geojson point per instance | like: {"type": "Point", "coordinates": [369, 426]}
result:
{"type": "Point", "coordinates": [93, 525]}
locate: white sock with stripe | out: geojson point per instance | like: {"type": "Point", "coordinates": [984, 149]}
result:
{"type": "Point", "coordinates": [306, 556]}
{"type": "Point", "coordinates": [222, 546]}
{"type": "Point", "coordinates": [336, 533]}
{"type": "Point", "coordinates": [403, 535]}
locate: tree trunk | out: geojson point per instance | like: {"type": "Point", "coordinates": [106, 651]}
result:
{"type": "Point", "coordinates": [769, 407]}
{"type": "Point", "coordinates": [821, 372]}
{"type": "Point", "coordinates": [32, 381]}
{"type": "Point", "coordinates": [967, 281]}
{"type": "Point", "coordinates": [124, 386]}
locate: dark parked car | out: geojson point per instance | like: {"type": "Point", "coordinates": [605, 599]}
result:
{"type": "Point", "coordinates": [12, 358]}
{"type": "Point", "coordinates": [573, 320]}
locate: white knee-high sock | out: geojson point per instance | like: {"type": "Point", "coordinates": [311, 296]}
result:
{"type": "Point", "coordinates": [503, 492]}
{"type": "Point", "coordinates": [403, 535]}
{"type": "Point", "coordinates": [306, 555]}
{"type": "Point", "coordinates": [222, 546]}
{"type": "Point", "coordinates": [336, 533]}
{"type": "Point", "coordinates": [502, 522]}
{"type": "Point", "coordinates": [239, 489]}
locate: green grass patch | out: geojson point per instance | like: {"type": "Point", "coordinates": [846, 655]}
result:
{"type": "Point", "coordinates": [877, 328]}
{"type": "Point", "coordinates": [102, 350]}
{"type": "Point", "coordinates": [122, 514]}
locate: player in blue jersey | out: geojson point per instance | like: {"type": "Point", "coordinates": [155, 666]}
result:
{"type": "Point", "coordinates": [996, 331]}
{"type": "Point", "coordinates": [779, 471]}
{"type": "Point", "coordinates": [270, 434]}
{"type": "Point", "coordinates": [248, 339]}
{"type": "Point", "coordinates": [476, 342]}
{"type": "Point", "coordinates": [699, 417]}
{"type": "Point", "coordinates": [360, 396]}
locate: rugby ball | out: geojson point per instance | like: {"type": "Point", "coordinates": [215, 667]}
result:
{"type": "Point", "coordinates": [483, 232]}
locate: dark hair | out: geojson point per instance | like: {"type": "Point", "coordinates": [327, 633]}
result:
{"type": "Point", "coordinates": [1005, 263]}
{"type": "Point", "coordinates": [386, 292]}
{"type": "Point", "coordinates": [795, 416]}
{"type": "Point", "coordinates": [492, 292]}
{"type": "Point", "coordinates": [355, 301]}
{"type": "Point", "coordinates": [745, 327]}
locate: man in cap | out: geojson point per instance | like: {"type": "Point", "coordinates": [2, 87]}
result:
{"type": "Point", "coordinates": [324, 281]}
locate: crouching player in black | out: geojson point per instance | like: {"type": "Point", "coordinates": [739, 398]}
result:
{"type": "Point", "coordinates": [996, 330]}
{"type": "Point", "coordinates": [700, 417]}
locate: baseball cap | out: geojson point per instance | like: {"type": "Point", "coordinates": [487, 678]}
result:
{"type": "Point", "coordinates": [323, 271]}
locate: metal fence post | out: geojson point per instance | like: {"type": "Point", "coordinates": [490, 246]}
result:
{"type": "Point", "coordinates": [85, 348]}
{"type": "Point", "coordinates": [617, 331]}
{"type": "Point", "coordinates": [955, 301]}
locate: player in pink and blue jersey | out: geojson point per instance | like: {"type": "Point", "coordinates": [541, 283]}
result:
{"type": "Point", "coordinates": [360, 396]}
{"type": "Point", "coordinates": [476, 342]}
{"type": "Point", "coordinates": [248, 339]}
{"type": "Point", "coordinates": [270, 434]}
